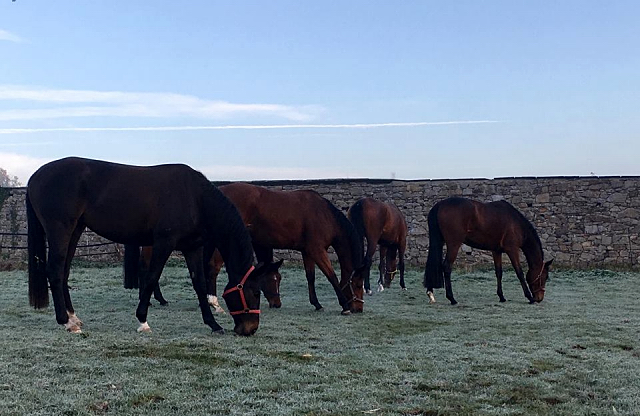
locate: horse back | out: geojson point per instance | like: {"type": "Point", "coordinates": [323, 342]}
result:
{"type": "Point", "coordinates": [487, 226]}
{"type": "Point", "coordinates": [282, 219]}
{"type": "Point", "coordinates": [128, 204]}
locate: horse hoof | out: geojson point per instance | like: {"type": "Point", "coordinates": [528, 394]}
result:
{"type": "Point", "coordinates": [404, 288]}
{"type": "Point", "coordinates": [369, 292]}
{"type": "Point", "coordinates": [72, 328]}
{"type": "Point", "coordinates": [454, 302]}
{"type": "Point", "coordinates": [218, 331]}
{"type": "Point", "coordinates": [144, 327]}
{"type": "Point", "coordinates": [319, 307]}
{"type": "Point", "coordinates": [346, 312]}
{"type": "Point", "coordinates": [503, 300]}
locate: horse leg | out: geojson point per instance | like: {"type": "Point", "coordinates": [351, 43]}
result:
{"type": "Point", "coordinates": [212, 269]}
{"type": "Point", "coordinates": [514, 256]}
{"type": "Point", "coordinates": [159, 256]}
{"type": "Point", "coordinates": [401, 250]}
{"type": "Point", "coordinates": [368, 259]}
{"type": "Point", "coordinates": [324, 264]}
{"type": "Point", "coordinates": [452, 253]}
{"type": "Point", "coordinates": [195, 263]}
{"type": "Point", "coordinates": [59, 238]}
{"type": "Point", "coordinates": [75, 237]}
{"type": "Point", "coordinates": [497, 262]}
{"type": "Point", "coordinates": [157, 294]}
{"type": "Point", "coordinates": [310, 272]}
{"type": "Point", "coordinates": [382, 267]}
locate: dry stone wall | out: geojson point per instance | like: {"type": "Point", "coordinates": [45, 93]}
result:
{"type": "Point", "coordinates": [583, 222]}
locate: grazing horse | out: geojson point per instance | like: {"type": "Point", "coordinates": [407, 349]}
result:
{"type": "Point", "coordinates": [494, 226]}
{"type": "Point", "coordinates": [168, 207]}
{"type": "Point", "coordinates": [381, 224]}
{"type": "Point", "coordinates": [136, 264]}
{"type": "Point", "coordinates": [303, 221]}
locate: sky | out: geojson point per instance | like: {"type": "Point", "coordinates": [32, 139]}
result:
{"type": "Point", "coordinates": [251, 90]}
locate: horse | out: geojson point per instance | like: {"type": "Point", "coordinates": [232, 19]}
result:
{"type": "Point", "coordinates": [381, 224]}
{"type": "Point", "coordinates": [495, 226]}
{"type": "Point", "coordinates": [304, 221]}
{"type": "Point", "coordinates": [136, 264]}
{"type": "Point", "coordinates": [165, 206]}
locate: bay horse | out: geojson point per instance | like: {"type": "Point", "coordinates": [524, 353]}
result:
{"type": "Point", "coordinates": [136, 264]}
{"type": "Point", "coordinates": [381, 224]}
{"type": "Point", "coordinates": [495, 226]}
{"type": "Point", "coordinates": [304, 221]}
{"type": "Point", "coordinates": [166, 206]}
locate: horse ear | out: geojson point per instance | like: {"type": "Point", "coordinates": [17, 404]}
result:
{"type": "Point", "coordinates": [548, 264]}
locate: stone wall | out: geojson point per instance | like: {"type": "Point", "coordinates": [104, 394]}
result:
{"type": "Point", "coordinates": [582, 221]}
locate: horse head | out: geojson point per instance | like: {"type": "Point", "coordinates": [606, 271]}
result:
{"type": "Point", "coordinates": [243, 298]}
{"type": "Point", "coordinates": [537, 281]}
{"type": "Point", "coordinates": [353, 289]}
{"type": "Point", "coordinates": [270, 286]}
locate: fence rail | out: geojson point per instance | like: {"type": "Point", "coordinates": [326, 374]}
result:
{"type": "Point", "coordinates": [117, 251]}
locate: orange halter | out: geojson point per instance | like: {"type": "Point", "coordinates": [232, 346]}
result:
{"type": "Point", "coordinates": [240, 288]}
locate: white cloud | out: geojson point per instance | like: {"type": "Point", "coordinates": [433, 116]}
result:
{"type": "Point", "coordinates": [8, 36]}
{"type": "Point", "coordinates": [134, 104]}
{"type": "Point", "coordinates": [20, 165]}
{"type": "Point", "coordinates": [243, 127]}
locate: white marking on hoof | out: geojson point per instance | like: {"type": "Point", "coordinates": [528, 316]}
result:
{"type": "Point", "coordinates": [72, 327]}
{"type": "Point", "coordinates": [432, 299]}
{"type": "Point", "coordinates": [213, 301]}
{"type": "Point", "coordinates": [380, 288]}
{"type": "Point", "coordinates": [369, 292]}
{"type": "Point", "coordinates": [144, 327]}
{"type": "Point", "coordinates": [74, 319]}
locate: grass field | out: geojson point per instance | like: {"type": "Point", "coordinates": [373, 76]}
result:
{"type": "Point", "coordinates": [577, 353]}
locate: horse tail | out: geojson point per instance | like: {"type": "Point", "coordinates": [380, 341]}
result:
{"type": "Point", "coordinates": [434, 271]}
{"type": "Point", "coordinates": [37, 251]}
{"type": "Point", "coordinates": [131, 266]}
{"type": "Point", "coordinates": [356, 216]}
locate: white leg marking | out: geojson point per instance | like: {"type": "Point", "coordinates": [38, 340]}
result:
{"type": "Point", "coordinates": [73, 328]}
{"type": "Point", "coordinates": [74, 319]}
{"type": "Point", "coordinates": [432, 299]}
{"type": "Point", "coordinates": [213, 301]}
{"type": "Point", "coordinates": [144, 327]}
{"type": "Point", "coordinates": [380, 287]}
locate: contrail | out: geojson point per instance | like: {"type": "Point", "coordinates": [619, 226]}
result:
{"type": "Point", "coordinates": [245, 127]}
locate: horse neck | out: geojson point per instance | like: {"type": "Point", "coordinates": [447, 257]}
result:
{"type": "Point", "coordinates": [231, 237]}
{"type": "Point", "coordinates": [532, 252]}
{"type": "Point", "coordinates": [346, 247]}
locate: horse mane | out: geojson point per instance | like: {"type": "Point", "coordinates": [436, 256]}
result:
{"type": "Point", "coordinates": [227, 228]}
{"type": "Point", "coordinates": [355, 240]}
{"type": "Point", "coordinates": [356, 214]}
{"type": "Point", "coordinates": [532, 235]}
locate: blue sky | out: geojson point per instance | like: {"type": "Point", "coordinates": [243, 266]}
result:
{"type": "Point", "coordinates": [404, 89]}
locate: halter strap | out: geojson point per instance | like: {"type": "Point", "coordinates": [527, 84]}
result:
{"type": "Point", "coordinates": [354, 298]}
{"type": "Point", "coordinates": [240, 288]}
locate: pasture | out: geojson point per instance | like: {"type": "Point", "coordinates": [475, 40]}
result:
{"type": "Point", "coordinates": [576, 353]}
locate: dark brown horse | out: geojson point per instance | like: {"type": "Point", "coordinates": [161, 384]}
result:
{"type": "Point", "coordinates": [382, 224]}
{"type": "Point", "coordinates": [168, 207]}
{"type": "Point", "coordinates": [306, 222]}
{"type": "Point", "coordinates": [494, 226]}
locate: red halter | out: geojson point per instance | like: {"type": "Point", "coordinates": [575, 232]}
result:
{"type": "Point", "coordinates": [240, 289]}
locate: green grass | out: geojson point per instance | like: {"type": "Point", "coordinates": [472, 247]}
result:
{"type": "Point", "coordinates": [577, 353]}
